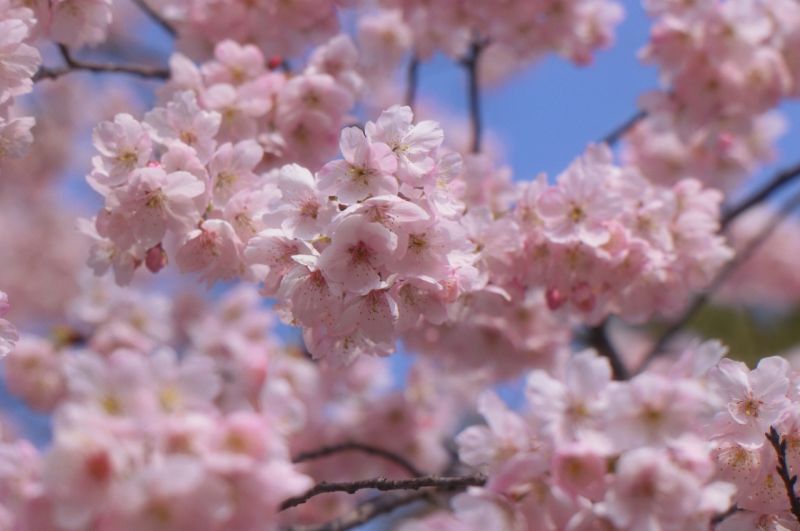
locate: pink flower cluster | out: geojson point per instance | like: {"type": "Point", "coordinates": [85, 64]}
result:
{"type": "Point", "coordinates": [380, 242]}
{"type": "Point", "coordinates": [189, 170]}
{"type": "Point", "coordinates": [18, 63]}
{"type": "Point", "coordinates": [523, 30]}
{"type": "Point", "coordinates": [74, 23]}
{"type": "Point", "coordinates": [725, 65]}
{"type": "Point", "coordinates": [603, 240]}
{"type": "Point", "coordinates": [275, 26]}
{"type": "Point", "coordinates": [666, 450]}
{"type": "Point", "coordinates": [146, 439]}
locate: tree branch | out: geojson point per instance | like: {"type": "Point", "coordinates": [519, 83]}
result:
{"type": "Point", "coordinates": [351, 446]}
{"type": "Point", "coordinates": [368, 511]}
{"type": "Point", "coordinates": [721, 517]}
{"type": "Point", "coordinates": [616, 134]}
{"type": "Point", "coordinates": [412, 81]}
{"type": "Point", "coordinates": [741, 257]}
{"type": "Point", "coordinates": [155, 17]}
{"type": "Point", "coordinates": [780, 179]}
{"type": "Point", "coordinates": [779, 444]}
{"type": "Point", "coordinates": [470, 63]}
{"type": "Point", "coordinates": [74, 65]}
{"type": "Point", "coordinates": [596, 337]}
{"type": "Point", "coordinates": [351, 487]}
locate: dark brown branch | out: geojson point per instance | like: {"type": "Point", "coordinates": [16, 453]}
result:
{"type": "Point", "coordinates": [614, 136]}
{"type": "Point", "coordinates": [412, 81]}
{"type": "Point", "coordinates": [351, 487]}
{"type": "Point", "coordinates": [470, 63]}
{"type": "Point", "coordinates": [155, 17]}
{"type": "Point", "coordinates": [350, 446]}
{"type": "Point", "coordinates": [368, 511]}
{"type": "Point", "coordinates": [779, 444]}
{"type": "Point", "coordinates": [721, 517]}
{"type": "Point", "coordinates": [700, 301]}
{"type": "Point", "coordinates": [597, 337]}
{"type": "Point", "coordinates": [781, 179]}
{"type": "Point", "coordinates": [74, 65]}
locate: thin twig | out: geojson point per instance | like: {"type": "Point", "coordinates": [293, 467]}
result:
{"type": "Point", "coordinates": [615, 135]}
{"type": "Point", "coordinates": [351, 487]}
{"type": "Point", "coordinates": [722, 276]}
{"type": "Point", "coordinates": [75, 65]}
{"type": "Point", "coordinates": [598, 338]}
{"type": "Point", "coordinates": [412, 81]}
{"type": "Point", "coordinates": [779, 444]}
{"type": "Point", "coordinates": [470, 63]}
{"type": "Point", "coordinates": [155, 17]}
{"type": "Point", "coordinates": [781, 179]}
{"type": "Point", "coordinates": [721, 517]}
{"type": "Point", "coordinates": [351, 446]}
{"type": "Point", "coordinates": [368, 511]}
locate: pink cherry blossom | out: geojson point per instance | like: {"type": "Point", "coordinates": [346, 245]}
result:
{"type": "Point", "coordinates": [358, 250]}
{"type": "Point", "coordinates": [124, 145]}
{"type": "Point", "coordinates": [576, 210]}
{"type": "Point", "coordinates": [366, 170]}
{"type": "Point", "coordinates": [183, 121]}
{"type": "Point", "coordinates": [154, 202]}
{"type": "Point", "coordinates": [754, 400]}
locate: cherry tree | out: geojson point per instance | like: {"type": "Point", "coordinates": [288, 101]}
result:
{"type": "Point", "coordinates": [272, 214]}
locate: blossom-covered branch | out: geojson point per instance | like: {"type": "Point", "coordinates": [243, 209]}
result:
{"type": "Point", "coordinates": [597, 338]}
{"type": "Point", "coordinates": [617, 133]}
{"type": "Point", "coordinates": [789, 481]}
{"type": "Point", "coordinates": [412, 81]}
{"type": "Point", "coordinates": [702, 299]}
{"type": "Point", "coordinates": [436, 482]}
{"type": "Point", "coordinates": [156, 17]}
{"type": "Point", "coordinates": [778, 181]}
{"type": "Point", "coordinates": [75, 65]}
{"type": "Point", "coordinates": [471, 64]}
{"type": "Point", "coordinates": [350, 446]}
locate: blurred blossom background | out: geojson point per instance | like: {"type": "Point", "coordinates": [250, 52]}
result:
{"type": "Point", "coordinates": [536, 120]}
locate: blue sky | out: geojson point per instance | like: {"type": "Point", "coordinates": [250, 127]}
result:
{"type": "Point", "coordinates": [546, 115]}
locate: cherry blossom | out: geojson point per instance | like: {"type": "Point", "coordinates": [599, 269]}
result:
{"type": "Point", "coordinates": [385, 302]}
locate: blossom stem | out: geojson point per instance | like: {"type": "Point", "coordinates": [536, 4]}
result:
{"type": "Point", "coordinates": [721, 517]}
{"type": "Point", "coordinates": [598, 338]}
{"type": "Point", "coordinates": [412, 81]}
{"type": "Point", "coordinates": [780, 179]}
{"type": "Point", "coordinates": [155, 17]}
{"type": "Point", "coordinates": [351, 487]}
{"type": "Point", "coordinates": [470, 63]}
{"type": "Point", "coordinates": [779, 444]}
{"type": "Point", "coordinates": [351, 446]}
{"type": "Point", "coordinates": [74, 65]}
{"type": "Point", "coordinates": [621, 130]}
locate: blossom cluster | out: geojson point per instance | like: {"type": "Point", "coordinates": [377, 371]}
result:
{"type": "Point", "coordinates": [601, 240]}
{"type": "Point", "coordinates": [396, 234]}
{"type": "Point", "coordinates": [168, 415]}
{"type": "Point", "coordinates": [195, 158]}
{"type": "Point", "coordinates": [669, 449]}
{"type": "Point", "coordinates": [18, 64]}
{"type": "Point", "coordinates": [725, 65]}
{"type": "Point", "coordinates": [274, 26]}
{"type": "Point", "coordinates": [517, 31]}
